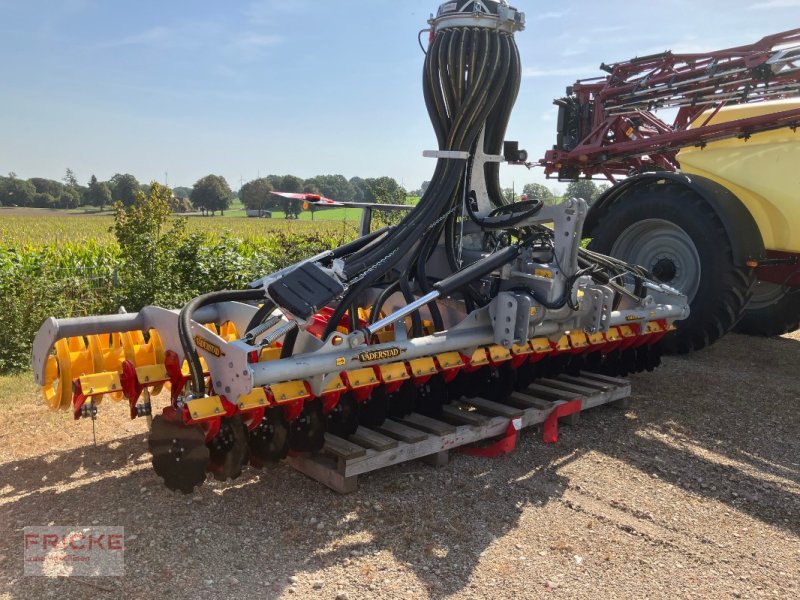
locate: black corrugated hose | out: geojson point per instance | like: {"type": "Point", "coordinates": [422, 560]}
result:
{"type": "Point", "coordinates": [470, 80]}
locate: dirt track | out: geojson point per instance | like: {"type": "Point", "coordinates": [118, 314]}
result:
{"type": "Point", "coordinates": [693, 492]}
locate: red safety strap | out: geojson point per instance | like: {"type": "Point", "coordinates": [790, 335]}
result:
{"type": "Point", "coordinates": [550, 428]}
{"type": "Point", "coordinates": [505, 445]}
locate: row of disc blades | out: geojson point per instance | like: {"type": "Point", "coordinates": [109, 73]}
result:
{"type": "Point", "coordinates": [182, 458]}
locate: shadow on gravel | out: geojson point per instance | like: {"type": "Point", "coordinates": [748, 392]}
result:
{"type": "Point", "coordinates": [257, 532]}
{"type": "Point", "coordinates": [723, 423]}
{"type": "Point", "coordinates": [247, 538]}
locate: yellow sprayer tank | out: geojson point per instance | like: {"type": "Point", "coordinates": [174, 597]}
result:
{"type": "Point", "coordinates": [763, 171]}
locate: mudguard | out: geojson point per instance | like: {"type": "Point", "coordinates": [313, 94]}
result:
{"type": "Point", "coordinates": [742, 230]}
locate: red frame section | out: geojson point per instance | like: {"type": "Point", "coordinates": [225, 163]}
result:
{"type": "Point", "coordinates": [619, 132]}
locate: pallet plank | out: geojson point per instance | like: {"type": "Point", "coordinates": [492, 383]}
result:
{"type": "Point", "coordinates": [419, 437]}
{"type": "Point", "coordinates": [494, 409]}
{"type": "Point", "coordinates": [427, 424]}
{"type": "Point", "coordinates": [401, 432]}
{"type": "Point", "coordinates": [525, 401]}
{"type": "Point", "coordinates": [568, 386]}
{"type": "Point", "coordinates": [606, 378]}
{"type": "Point", "coordinates": [465, 434]}
{"type": "Point", "coordinates": [372, 439]}
{"type": "Point", "coordinates": [596, 385]}
{"type": "Point", "coordinates": [341, 448]}
{"type": "Point", "coordinates": [320, 470]}
{"type": "Point", "coordinates": [459, 415]}
{"type": "Point", "coordinates": [549, 391]}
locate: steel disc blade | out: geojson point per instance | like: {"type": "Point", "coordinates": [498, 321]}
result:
{"type": "Point", "coordinates": [401, 403]}
{"type": "Point", "coordinates": [307, 432]}
{"type": "Point", "coordinates": [432, 396]}
{"type": "Point", "coordinates": [269, 441]}
{"type": "Point", "coordinates": [343, 419]}
{"type": "Point", "coordinates": [373, 411]}
{"type": "Point", "coordinates": [180, 455]}
{"type": "Point", "coordinates": [228, 450]}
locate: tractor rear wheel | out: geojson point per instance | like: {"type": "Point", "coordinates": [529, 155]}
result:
{"type": "Point", "coordinates": [773, 310]}
{"type": "Point", "coordinates": [675, 234]}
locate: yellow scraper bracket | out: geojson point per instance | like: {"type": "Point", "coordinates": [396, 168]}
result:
{"type": "Point", "coordinates": [522, 350]}
{"type": "Point", "coordinates": [597, 338]}
{"type": "Point", "coordinates": [479, 358]}
{"type": "Point", "coordinates": [394, 372]}
{"type": "Point", "coordinates": [255, 399]}
{"type": "Point", "coordinates": [98, 384]}
{"type": "Point", "coordinates": [420, 367]}
{"type": "Point", "coordinates": [578, 339]}
{"type": "Point", "coordinates": [563, 343]}
{"type": "Point", "coordinates": [288, 391]}
{"type": "Point", "coordinates": [205, 408]}
{"type": "Point", "coordinates": [450, 360]}
{"type": "Point", "coordinates": [540, 345]}
{"type": "Point", "coordinates": [498, 353]}
{"type": "Point", "coordinates": [152, 374]}
{"type": "Point", "coordinates": [362, 377]}
{"type": "Point", "coordinates": [334, 385]}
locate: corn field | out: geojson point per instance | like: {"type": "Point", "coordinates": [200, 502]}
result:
{"type": "Point", "coordinates": [72, 266]}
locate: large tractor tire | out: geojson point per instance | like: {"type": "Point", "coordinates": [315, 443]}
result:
{"type": "Point", "coordinates": [677, 235]}
{"type": "Point", "coordinates": [773, 310]}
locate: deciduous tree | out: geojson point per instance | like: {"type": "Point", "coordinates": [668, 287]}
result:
{"type": "Point", "coordinates": [124, 188]}
{"type": "Point", "coordinates": [582, 188]}
{"type": "Point", "coordinates": [256, 194]}
{"type": "Point", "coordinates": [213, 193]}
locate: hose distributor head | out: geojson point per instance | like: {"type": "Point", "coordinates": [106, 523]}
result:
{"type": "Point", "coordinates": [491, 14]}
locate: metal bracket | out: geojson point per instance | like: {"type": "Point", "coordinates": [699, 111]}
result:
{"type": "Point", "coordinates": [449, 154]}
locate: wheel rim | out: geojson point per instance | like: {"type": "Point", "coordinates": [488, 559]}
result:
{"type": "Point", "coordinates": [665, 249]}
{"type": "Point", "coordinates": [766, 294]}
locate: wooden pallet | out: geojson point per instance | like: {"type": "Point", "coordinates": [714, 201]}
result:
{"type": "Point", "coordinates": [463, 422]}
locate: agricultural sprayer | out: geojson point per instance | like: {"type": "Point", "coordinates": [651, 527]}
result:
{"type": "Point", "coordinates": [467, 295]}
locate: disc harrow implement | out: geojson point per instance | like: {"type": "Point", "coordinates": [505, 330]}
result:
{"type": "Point", "coordinates": [466, 296]}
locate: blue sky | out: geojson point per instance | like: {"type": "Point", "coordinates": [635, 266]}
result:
{"type": "Point", "coordinates": [295, 86]}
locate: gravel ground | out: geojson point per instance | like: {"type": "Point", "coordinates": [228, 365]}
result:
{"type": "Point", "coordinates": [692, 492]}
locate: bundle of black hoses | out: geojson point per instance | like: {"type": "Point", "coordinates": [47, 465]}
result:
{"type": "Point", "coordinates": [470, 80]}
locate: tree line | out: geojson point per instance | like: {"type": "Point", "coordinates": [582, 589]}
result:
{"type": "Point", "coordinates": [580, 188]}
{"type": "Point", "coordinates": [209, 194]}
{"type": "Point", "coordinates": [212, 193]}
{"type": "Point", "coordinates": [256, 194]}
{"type": "Point", "coordinates": [40, 192]}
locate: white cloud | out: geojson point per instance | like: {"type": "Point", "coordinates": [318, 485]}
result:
{"type": "Point", "coordinates": [148, 37]}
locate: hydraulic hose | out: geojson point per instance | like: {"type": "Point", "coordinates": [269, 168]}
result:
{"type": "Point", "coordinates": [470, 80]}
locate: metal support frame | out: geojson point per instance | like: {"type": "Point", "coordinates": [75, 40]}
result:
{"type": "Point", "coordinates": [618, 132]}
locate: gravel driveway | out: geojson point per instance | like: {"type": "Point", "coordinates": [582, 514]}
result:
{"type": "Point", "coordinates": [692, 492]}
